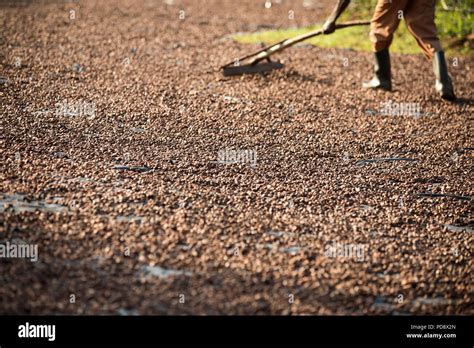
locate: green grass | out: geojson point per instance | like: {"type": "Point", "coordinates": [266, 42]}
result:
{"type": "Point", "coordinates": [452, 26]}
{"type": "Point", "coordinates": [356, 38]}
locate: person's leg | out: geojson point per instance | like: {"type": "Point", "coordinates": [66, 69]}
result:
{"type": "Point", "coordinates": [384, 22]}
{"type": "Point", "coordinates": [419, 17]}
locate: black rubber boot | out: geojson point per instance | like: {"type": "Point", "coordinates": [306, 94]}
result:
{"type": "Point", "coordinates": [444, 85]}
{"type": "Point", "coordinates": [383, 76]}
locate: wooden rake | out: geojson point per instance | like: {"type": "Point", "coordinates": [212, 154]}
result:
{"type": "Point", "coordinates": [252, 63]}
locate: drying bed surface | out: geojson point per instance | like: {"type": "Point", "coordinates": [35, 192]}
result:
{"type": "Point", "coordinates": [152, 184]}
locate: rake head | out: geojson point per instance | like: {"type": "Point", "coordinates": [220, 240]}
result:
{"type": "Point", "coordinates": [256, 68]}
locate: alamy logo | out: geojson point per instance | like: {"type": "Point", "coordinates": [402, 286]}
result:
{"type": "Point", "coordinates": [37, 331]}
{"type": "Point", "coordinates": [400, 109]}
{"type": "Point", "coordinates": [229, 156]}
{"type": "Point", "coordinates": [19, 250]}
{"type": "Point", "coordinates": [73, 109]}
{"type": "Point", "coordinates": [343, 250]}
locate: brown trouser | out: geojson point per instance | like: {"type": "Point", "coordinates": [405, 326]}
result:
{"type": "Point", "coordinates": [419, 17]}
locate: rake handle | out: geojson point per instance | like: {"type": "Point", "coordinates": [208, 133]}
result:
{"type": "Point", "coordinates": [267, 51]}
